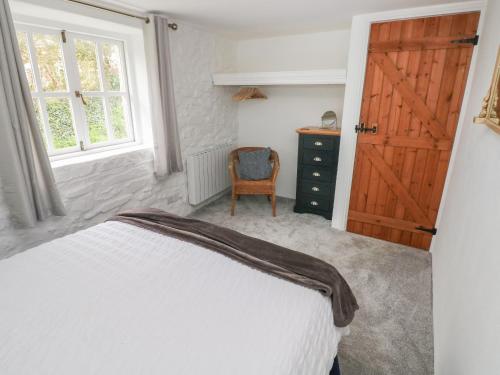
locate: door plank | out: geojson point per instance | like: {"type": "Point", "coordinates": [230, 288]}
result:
{"type": "Point", "coordinates": [400, 224]}
{"type": "Point", "coordinates": [363, 168]}
{"type": "Point", "coordinates": [389, 123]}
{"type": "Point", "coordinates": [425, 158]}
{"type": "Point", "coordinates": [410, 154]}
{"type": "Point", "coordinates": [442, 79]}
{"type": "Point", "coordinates": [403, 128]}
{"type": "Point", "coordinates": [376, 100]}
{"type": "Point", "coordinates": [405, 125]}
{"type": "Point", "coordinates": [380, 188]}
{"type": "Point", "coordinates": [359, 169]}
{"type": "Point", "coordinates": [437, 162]}
{"type": "Point", "coordinates": [399, 141]}
{"type": "Point", "coordinates": [427, 43]}
{"type": "Point", "coordinates": [431, 96]}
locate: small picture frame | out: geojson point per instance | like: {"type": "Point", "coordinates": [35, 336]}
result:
{"type": "Point", "coordinates": [490, 110]}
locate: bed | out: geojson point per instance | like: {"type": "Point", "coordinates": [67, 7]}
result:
{"type": "Point", "coordinates": [119, 299]}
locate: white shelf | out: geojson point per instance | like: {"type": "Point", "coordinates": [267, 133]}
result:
{"type": "Point", "coordinates": [302, 77]}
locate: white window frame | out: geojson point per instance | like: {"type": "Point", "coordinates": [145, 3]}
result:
{"type": "Point", "coordinates": [83, 144]}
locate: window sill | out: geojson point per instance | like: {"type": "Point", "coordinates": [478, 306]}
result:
{"type": "Point", "coordinates": [89, 156]}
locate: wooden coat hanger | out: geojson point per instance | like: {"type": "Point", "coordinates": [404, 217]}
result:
{"type": "Point", "coordinates": [246, 93]}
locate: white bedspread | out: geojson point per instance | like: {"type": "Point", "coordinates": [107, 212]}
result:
{"type": "Point", "coordinates": [117, 299]}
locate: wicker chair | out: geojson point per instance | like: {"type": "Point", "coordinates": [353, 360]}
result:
{"type": "Point", "coordinates": [253, 187]}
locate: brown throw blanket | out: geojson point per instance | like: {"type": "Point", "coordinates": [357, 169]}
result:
{"type": "Point", "coordinates": [291, 265]}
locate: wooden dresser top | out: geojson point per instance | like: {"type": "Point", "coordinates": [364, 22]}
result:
{"type": "Point", "coordinates": [318, 131]}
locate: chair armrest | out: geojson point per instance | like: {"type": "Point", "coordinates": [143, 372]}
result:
{"type": "Point", "coordinates": [276, 168]}
{"type": "Point", "coordinates": [232, 171]}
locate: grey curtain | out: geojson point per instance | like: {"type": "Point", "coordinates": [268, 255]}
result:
{"type": "Point", "coordinates": [165, 130]}
{"type": "Point", "coordinates": [25, 172]}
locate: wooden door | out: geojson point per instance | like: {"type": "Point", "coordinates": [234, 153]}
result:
{"type": "Point", "coordinates": [414, 84]}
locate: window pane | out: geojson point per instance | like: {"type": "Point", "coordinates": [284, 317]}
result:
{"type": "Point", "coordinates": [25, 55]}
{"type": "Point", "coordinates": [61, 122]}
{"type": "Point", "coordinates": [118, 123]}
{"type": "Point", "coordinates": [112, 66]}
{"type": "Point", "coordinates": [94, 110]}
{"type": "Point", "coordinates": [86, 56]}
{"type": "Point", "coordinates": [38, 114]}
{"type": "Point", "coordinates": [50, 62]}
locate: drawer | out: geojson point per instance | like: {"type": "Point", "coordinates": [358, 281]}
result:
{"type": "Point", "coordinates": [318, 173]}
{"type": "Point", "coordinates": [313, 202]}
{"type": "Point", "coordinates": [317, 157]}
{"type": "Point", "coordinates": [318, 189]}
{"type": "Point", "coordinates": [318, 142]}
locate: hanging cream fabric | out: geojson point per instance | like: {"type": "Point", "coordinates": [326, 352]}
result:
{"type": "Point", "coordinates": [167, 148]}
{"type": "Point", "coordinates": [25, 172]}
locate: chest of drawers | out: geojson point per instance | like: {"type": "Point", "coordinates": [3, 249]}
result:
{"type": "Point", "coordinates": [317, 170]}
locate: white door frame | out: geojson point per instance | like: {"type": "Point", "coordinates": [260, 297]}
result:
{"type": "Point", "coordinates": [358, 49]}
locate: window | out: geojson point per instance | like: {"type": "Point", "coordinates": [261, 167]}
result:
{"type": "Point", "coordinates": [79, 88]}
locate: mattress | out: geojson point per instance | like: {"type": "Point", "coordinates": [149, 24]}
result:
{"type": "Point", "coordinates": [118, 299]}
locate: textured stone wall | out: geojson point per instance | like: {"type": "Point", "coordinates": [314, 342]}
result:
{"type": "Point", "coordinates": [94, 190]}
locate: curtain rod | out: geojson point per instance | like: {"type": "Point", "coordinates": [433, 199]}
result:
{"type": "Point", "coordinates": [173, 26]}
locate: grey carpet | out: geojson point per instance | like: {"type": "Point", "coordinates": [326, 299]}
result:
{"type": "Point", "coordinates": [392, 331]}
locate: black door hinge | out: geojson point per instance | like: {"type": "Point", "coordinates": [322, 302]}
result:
{"type": "Point", "coordinates": [432, 231]}
{"type": "Point", "coordinates": [474, 41]}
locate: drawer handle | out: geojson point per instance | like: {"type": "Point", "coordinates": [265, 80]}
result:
{"type": "Point", "coordinates": [314, 188]}
{"type": "Point", "coordinates": [318, 143]}
{"type": "Point", "coordinates": [314, 203]}
{"type": "Point", "coordinates": [316, 174]}
{"type": "Point", "coordinates": [317, 158]}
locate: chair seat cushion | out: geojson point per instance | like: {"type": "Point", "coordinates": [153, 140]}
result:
{"type": "Point", "coordinates": [255, 165]}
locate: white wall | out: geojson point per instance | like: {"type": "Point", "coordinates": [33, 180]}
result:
{"type": "Point", "coordinates": [325, 50]}
{"type": "Point", "coordinates": [94, 190]}
{"type": "Point", "coordinates": [273, 122]}
{"type": "Point", "coordinates": [466, 251]}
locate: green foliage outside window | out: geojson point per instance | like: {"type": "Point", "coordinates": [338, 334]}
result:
{"type": "Point", "coordinates": [118, 117]}
{"type": "Point", "coordinates": [61, 123]}
{"type": "Point", "coordinates": [94, 110]}
{"type": "Point", "coordinates": [86, 57]}
{"type": "Point", "coordinates": [111, 63]}
{"type": "Point", "coordinates": [50, 62]}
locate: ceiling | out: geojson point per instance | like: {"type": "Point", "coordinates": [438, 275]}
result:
{"type": "Point", "coordinates": [252, 18]}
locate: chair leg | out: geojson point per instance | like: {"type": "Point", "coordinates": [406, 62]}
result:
{"type": "Point", "coordinates": [273, 202]}
{"type": "Point", "coordinates": [268, 198]}
{"type": "Point", "coordinates": [233, 203]}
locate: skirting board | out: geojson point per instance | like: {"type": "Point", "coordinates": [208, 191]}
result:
{"type": "Point", "coordinates": [303, 77]}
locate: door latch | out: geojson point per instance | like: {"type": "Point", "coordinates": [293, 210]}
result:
{"type": "Point", "coordinates": [361, 128]}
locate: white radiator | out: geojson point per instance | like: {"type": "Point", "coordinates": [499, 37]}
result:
{"type": "Point", "coordinates": [208, 173]}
